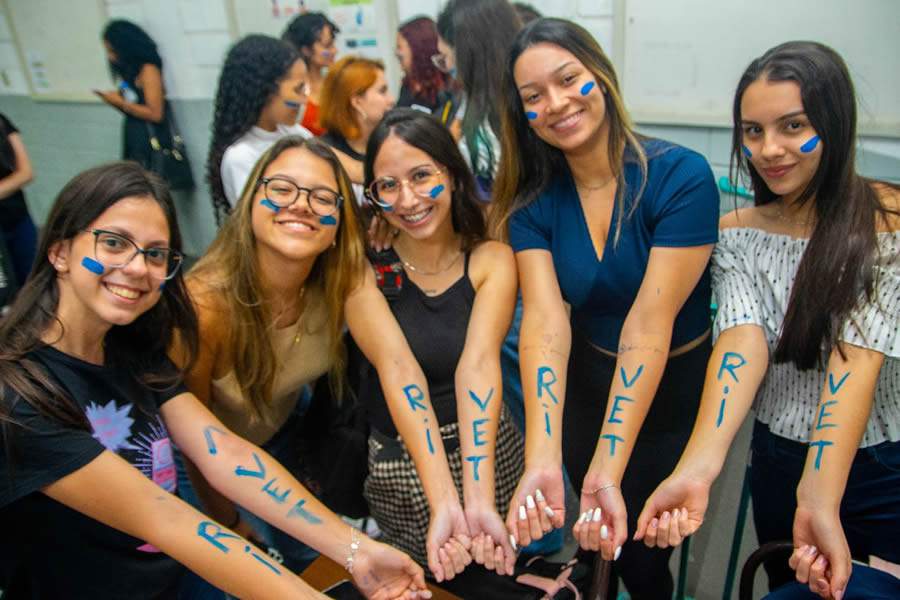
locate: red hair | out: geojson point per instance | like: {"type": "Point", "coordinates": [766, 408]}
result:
{"type": "Point", "coordinates": [350, 76]}
{"type": "Point", "coordinates": [424, 79]}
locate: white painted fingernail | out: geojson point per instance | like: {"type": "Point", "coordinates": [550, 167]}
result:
{"type": "Point", "coordinates": [597, 514]}
{"type": "Point", "coordinates": [618, 553]}
{"type": "Point", "coordinates": [604, 532]}
{"type": "Point", "coordinates": [529, 501]}
{"type": "Point", "coordinates": [675, 514]}
{"type": "Point", "coordinates": [522, 515]}
{"type": "Point", "coordinates": [538, 495]}
{"type": "Point", "coordinates": [512, 542]}
{"type": "Point", "coordinates": [549, 512]}
{"type": "Point", "coordinates": [582, 517]}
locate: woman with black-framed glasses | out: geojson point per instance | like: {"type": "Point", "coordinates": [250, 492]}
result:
{"type": "Point", "coordinates": [91, 409]}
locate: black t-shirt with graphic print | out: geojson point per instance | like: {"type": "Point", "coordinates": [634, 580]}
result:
{"type": "Point", "coordinates": [48, 550]}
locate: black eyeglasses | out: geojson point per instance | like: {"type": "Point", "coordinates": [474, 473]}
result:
{"type": "Point", "coordinates": [322, 201]}
{"type": "Point", "coordinates": [115, 251]}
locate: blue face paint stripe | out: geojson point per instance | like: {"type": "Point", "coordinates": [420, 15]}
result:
{"type": "Point", "coordinates": [269, 204]}
{"type": "Point", "coordinates": [747, 152]}
{"type": "Point", "coordinates": [586, 88]}
{"type": "Point", "coordinates": [810, 145]}
{"type": "Point", "coordinates": [531, 115]}
{"type": "Point", "coordinates": [327, 220]}
{"type": "Point", "coordinates": [436, 191]}
{"type": "Point", "coordinates": [292, 104]}
{"type": "Point", "coordinates": [92, 265]}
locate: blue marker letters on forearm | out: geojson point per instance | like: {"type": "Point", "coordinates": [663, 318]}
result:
{"type": "Point", "coordinates": [616, 408]}
{"type": "Point", "coordinates": [212, 533]}
{"type": "Point", "coordinates": [416, 398]}
{"type": "Point", "coordinates": [731, 362]}
{"type": "Point", "coordinates": [823, 414]}
{"type": "Point", "coordinates": [545, 378]}
{"type": "Point", "coordinates": [477, 429]}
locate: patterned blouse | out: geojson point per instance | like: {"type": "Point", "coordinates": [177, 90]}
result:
{"type": "Point", "coordinates": [753, 272]}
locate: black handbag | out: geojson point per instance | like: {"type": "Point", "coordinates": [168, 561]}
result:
{"type": "Point", "coordinates": [168, 157]}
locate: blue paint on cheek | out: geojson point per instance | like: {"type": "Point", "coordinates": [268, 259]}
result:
{"type": "Point", "coordinates": [436, 191]}
{"type": "Point", "coordinates": [387, 208]}
{"type": "Point", "coordinates": [327, 220]}
{"type": "Point", "coordinates": [92, 265]}
{"type": "Point", "coordinates": [531, 115]}
{"type": "Point", "coordinates": [810, 145]}
{"type": "Point", "coordinates": [292, 105]}
{"type": "Point", "coordinates": [586, 88]}
{"type": "Point", "coordinates": [747, 152]}
{"type": "Point", "coordinates": [269, 204]}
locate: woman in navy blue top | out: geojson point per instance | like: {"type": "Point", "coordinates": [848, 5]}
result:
{"type": "Point", "coordinates": [621, 228]}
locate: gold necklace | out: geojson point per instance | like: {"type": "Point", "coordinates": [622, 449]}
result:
{"type": "Point", "coordinates": [429, 273]}
{"type": "Point", "coordinates": [781, 216]}
{"type": "Point", "coordinates": [594, 188]}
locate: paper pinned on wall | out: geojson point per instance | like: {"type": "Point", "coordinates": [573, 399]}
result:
{"type": "Point", "coordinates": [353, 17]}
{"type": "Point", "coordinates": [37, 67]}
{"type": "Point", "coordinates": [202, 15]}
{"type": "Point", "coordinates": [12, 79]}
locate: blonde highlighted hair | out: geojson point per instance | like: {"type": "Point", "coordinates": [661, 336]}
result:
{"type": "Point", "coordinates": [229, 270]}
{"type": "Point", "coordinates": [527, 163]}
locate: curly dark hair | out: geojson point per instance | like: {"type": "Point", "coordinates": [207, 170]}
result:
{"type": "Point", "coordinates": [250, 76]}
{"type": "Point", "coordinates": [421, 35]}
{"type": "Point", "coordinates": [133, 48]}
{"type": "Point", "coordinates": [304, 30]}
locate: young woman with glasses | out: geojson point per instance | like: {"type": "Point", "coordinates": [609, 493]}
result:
{"type": "Point", "coordinates": [90, 409]}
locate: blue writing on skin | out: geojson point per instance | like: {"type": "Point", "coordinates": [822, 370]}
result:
{"type": "Point", "coordinates": [810, 145]}
{"type": "Point", "coordinates": [481, 404]}
{"type": "Point", "coordinates": [628, 383]}
{"type": "Point", "coordinates": [415, 396]}
{"type": "Point", "coordinates": [616, 408]}
{"type": "Point", "coordinates": [823, 414]}
{"type": "Point", "coordinates": [210, 444]}
{"type": "Point", "coordinates": [327, 220]}
{"type": "Point", "coordinates": [477, 433]}
{"type": "Point", "coordinates": [203, 530]}
{"type": "Point", "coordinates": [299, 511]}
{"type": "Point", "coordinates": [245, 472]}
{"type": "Point", "coordinates": [262, 560]}
{"type": "Point", "coordinates": [542, 385]}
{"type": "Point", "coordinates": [820, 446]}
{"type": "Point", "coordinates": [476, 460]}
{"type": "Point", "coordinates": [836, 387]}
{"type": "Point", "coordinates": [92, 265]}
{"type": "Point", "coordinates": [428, 439]}
{"type": "Point", "coordinates": [547, 424]}
{"type": "Point", "coordinates": [612, 442]}
{"type": "Point", "coordinates": [276, 494]}
{"type": "Point", "coordinates": [731, 361]}
{"type": "Point", "coordinates": [270, 205]}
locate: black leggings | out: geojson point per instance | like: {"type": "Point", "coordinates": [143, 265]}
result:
{"type": "Point", "coordinates": [663, 437]}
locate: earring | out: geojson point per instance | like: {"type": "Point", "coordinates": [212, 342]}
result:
{"type": "Point", "coordinates": [334, 243]}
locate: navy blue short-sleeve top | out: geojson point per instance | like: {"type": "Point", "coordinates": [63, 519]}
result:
{"type": "Point", "coordinates": [679, 207]}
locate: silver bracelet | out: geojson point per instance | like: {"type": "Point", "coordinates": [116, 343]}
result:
{"type": "Point", "coordinates": [354, 546]}
{"type": "Point", "coordinates": [599, 489]}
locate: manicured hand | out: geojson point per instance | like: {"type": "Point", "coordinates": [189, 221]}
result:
{"type": "Point", "coordinates": [603, 522]}
{"type": "Point", "coordinates": [385, 573]}
{"type": "Point", "coordinates": [448, 542]}
{"type": "Point", "coordinates": [491, 546]}
{"type": "Point", "coordinates": [538, 505]}
{"type": "Point", "coordinates": [675, 510]}
{"type": "Point", "coordinates": [821, 556]}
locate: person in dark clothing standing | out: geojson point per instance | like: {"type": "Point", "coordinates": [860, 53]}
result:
{"type": "Point", "coordinates": [19, 233]}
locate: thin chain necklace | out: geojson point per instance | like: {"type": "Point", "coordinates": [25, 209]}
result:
{"type": "Point", "coordinates": [781, 216]}
{"type": "Point", "coordinates": [299, 318]}
{"type": "Point", "coordinates": [429, 273]}
{"type": "Point", "coordinates": [594, 188]}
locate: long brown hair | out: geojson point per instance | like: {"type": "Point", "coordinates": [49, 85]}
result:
{"type": "Point", "coordinates": [527, 163]}
{"type": "Point", "coordinates": [139, 348]}
{"type": "Point", "coordinates": [837, 267]}
{"type": "Point", "coordinates": [230, 270]}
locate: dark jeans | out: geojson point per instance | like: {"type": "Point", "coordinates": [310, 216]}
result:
{"type": "Point", "coordinates": [21, 242]}
{"type": "Point", "coordinates": [870, 509]}
{"type": "Point", "coordinates": [663, 437]}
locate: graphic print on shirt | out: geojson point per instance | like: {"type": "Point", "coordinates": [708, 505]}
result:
{"type": "Point", "coordinates": [149, 451]}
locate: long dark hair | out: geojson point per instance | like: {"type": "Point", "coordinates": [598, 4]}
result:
{"type": "Point", "coordinates": [424, 79]}
{"type": "Point", "coordinates": [138, 348]}
{"type": "Point", "coordinates": [133, 48]}
{"type": "Point", "coordinates": [837, 266]}
{"type": "Point", "coordinates": [527, 163]}
{"type": "Point", "coordinates": [481, 33]}
{"type": "Point", "coordinates": [426, 133]}
{"type": "Point", "coordinates": [253, 69]}
{"type": "Point", "coordinates": [305, 29]}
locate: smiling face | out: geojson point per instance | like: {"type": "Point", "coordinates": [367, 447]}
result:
{"type": "Point", "coordinates": [294, 232]}
{"type": "Point", "coordinates": [376, 100]}
{"type": "Point", "coordinates": [420, 215]}
{"type": "Point", "coordinates": [562, 100]}
{"type": "Point", "coordinates": [778, 139]}
{"type": "Point", "coordinates": [94, 295]}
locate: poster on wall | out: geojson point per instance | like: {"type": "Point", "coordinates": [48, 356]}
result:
{"type": "Point", "coordinates": [356, 20]}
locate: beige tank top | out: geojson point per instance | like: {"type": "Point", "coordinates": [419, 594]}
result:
{"type": "Point", "coordinates": [303, 359]}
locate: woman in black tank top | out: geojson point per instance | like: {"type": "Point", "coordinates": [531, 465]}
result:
{"type": "Point", "coordinates": [443, 457]}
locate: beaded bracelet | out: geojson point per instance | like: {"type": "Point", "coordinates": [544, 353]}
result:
{"type": "Point", "coordinates": [354, 546]}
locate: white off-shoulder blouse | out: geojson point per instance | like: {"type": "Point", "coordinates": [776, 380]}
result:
{"type": "Point", "coordinates": [753, 272]}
